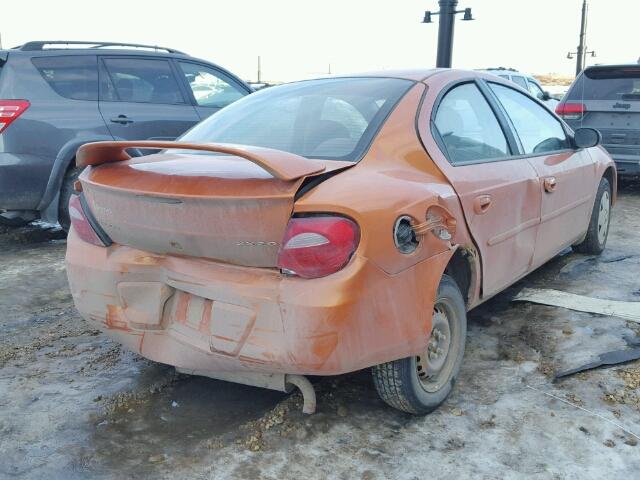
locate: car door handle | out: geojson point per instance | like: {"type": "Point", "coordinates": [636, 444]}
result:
{"type": "Point", "coordinates": [550, 184]}
{"type": "Point", "coordinates": [481, 204]}
{"type": "Point", "coordinates": [122, 119]}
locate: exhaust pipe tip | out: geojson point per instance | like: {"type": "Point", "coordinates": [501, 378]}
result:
{"type": "Point", "coordinates": [307, 390]}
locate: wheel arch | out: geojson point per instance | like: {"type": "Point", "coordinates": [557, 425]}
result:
{"type": "Point", "coordinates": [611, 175]}
{"type": "Point", "coordinates": [63, 162]}
{"type": "Point", "coordinates": [464, 268]}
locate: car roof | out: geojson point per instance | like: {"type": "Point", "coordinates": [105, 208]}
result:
{"type": "Point", "coordinates": [613, 65]}
{"type": "Point", "coordinates": [416, 74]}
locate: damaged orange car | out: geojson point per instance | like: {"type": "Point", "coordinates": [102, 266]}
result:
{"type": "Point", "coordinates": [332, 225]}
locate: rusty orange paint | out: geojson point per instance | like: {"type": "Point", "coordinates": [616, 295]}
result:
{"type": "Point", "coordinates": [114, 319]}
{"type": "Point", "coordinates": [175, 229]}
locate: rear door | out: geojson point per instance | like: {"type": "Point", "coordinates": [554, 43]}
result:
{"type": "Point", "coordinates": [500, 194]}
{"type": "Point", "coordinates": [608, 98]}
{"type": "Point", "coordinates": [141, 99]}
{"type": "Point", "coordinates": [210, 89]}
{"type": "Point", "coordinates": [567, 176]}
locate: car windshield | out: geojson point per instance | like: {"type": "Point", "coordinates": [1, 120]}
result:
{"type": "Point", "coordinates": [333, 119]}
{"type": "Point", "coordinates": [607, 83]}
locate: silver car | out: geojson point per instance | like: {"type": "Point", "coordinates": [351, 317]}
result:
{"type": "Point", "coordinates": [525, 81]}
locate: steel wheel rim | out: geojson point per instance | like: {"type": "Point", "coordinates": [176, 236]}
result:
{"type": "Point", "coordinates": [603, 217]}
{"type": "Point", "coordinates": [435, 364]}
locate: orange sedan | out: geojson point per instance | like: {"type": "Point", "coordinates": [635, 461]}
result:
{"type": "Point", "coordinates": [326, 226]}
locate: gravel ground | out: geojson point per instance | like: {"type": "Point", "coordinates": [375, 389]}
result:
{"type": "Point", "coordinates": [75, 405]}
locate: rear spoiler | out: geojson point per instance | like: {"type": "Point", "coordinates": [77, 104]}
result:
{"type": "Point", "coordinates": [283, 165]}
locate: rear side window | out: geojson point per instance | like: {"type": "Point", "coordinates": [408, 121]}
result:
{"type": "Point", "coordinates": [539, 131]}
{"type": "Point", "coordinates": [74, 77]}
{"type": "Point", "coordinates": [468, 127]}
{"type": "Point", "coordinates": [210, 88]}
{"type": "Point", "coordinates": [613, 83]}
{"type": "Point", "coordinates": [141, 80]}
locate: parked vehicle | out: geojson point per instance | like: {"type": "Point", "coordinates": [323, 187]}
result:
{"type": "Point", "coordinates": [350, 223]}
{"type": "Point", "coordinates": [607, 98]}
{"type": "Point", "coordinates": [529, 83]}
{"type": "Point", "coordinates": [55, 96]}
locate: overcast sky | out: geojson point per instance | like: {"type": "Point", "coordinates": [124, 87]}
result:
{"type": "Point", "coordinates": [300, 38]}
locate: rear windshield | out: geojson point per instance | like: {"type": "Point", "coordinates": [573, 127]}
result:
{"type": "Point", "coordinates": [333, 119]}
{"type": "Point", "coordinates": [617, 83]}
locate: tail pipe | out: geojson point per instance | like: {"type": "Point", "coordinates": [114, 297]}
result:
{"type": "Point", "coordinates": [307, 390]}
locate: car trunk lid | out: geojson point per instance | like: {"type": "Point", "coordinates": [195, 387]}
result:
{"type": "Point", "coordinates": [225, 208]}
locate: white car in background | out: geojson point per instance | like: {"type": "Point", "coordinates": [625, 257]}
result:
{"type": "Point", "coordinates": [527, 82]}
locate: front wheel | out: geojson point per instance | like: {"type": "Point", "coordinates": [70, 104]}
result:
{"type": "Point", "coordinates": [420, 384]}
{"type": "Point", "coordinates": [598, 230]}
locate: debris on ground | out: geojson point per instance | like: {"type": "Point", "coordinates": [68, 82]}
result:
{"type": "Point", "coordinates": [581, 303]}
{"type": "Point", "coordinates": [606, 359]}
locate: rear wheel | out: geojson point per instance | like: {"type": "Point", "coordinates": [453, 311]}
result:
{"type": "Point", "coordinates": [598, 230]}
{"type": "Point", "coordinates": [65, 195]}
{"type": "Point", "coordinates": [420, 384]}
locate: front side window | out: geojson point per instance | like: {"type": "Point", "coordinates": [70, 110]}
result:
{"type": "Point", "coordinates": [468, 127]}
{"type": "Point", "coordinates": [535, 90]}
{"type": "Point", "coordinates": [142, 80]}
{"type": "Point", "coordinates": [74, 77]}
{"type": "Point", "coordinates": [332, 119]}
{"type": "Point", "coordinates": [210, 88]}
{"type": "Point", "coordinates": [539, 131]}
{"type": "Point", "coordinates": [519, 80]}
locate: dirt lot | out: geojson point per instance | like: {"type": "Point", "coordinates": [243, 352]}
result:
{"type": "Point", "coordinates": [74, 405]}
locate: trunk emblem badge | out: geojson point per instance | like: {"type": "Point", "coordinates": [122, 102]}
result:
{"type": "Point", "coordinates": [626, 106]}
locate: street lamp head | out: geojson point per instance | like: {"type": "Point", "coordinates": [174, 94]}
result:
{"type": "Point", "coordinates": [467, 15]}
{"type": "Point", "coordinates": [427, 18]}
{"type": "Point", "coordinates": [569, 55]}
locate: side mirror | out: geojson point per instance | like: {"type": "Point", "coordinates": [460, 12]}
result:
{"type": "Point", "coordinates": [586, 137]}
{"type": "Point", "coordinates": [546, 96]}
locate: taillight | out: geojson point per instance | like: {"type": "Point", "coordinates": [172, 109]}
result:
{"type": "Point", "coordinates": [81, 224]}
{"type": "Point", "coordinates": [10, 110]}
{"type": "Point", "coordinates": [317, 246]}
{"type": "Point", "coordinates": [571, 111]}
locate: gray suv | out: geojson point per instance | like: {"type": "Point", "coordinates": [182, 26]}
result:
{"type": "Point", "coordinates": [607, 98]}
{"type": "Point", "coordinates": [58, 95]}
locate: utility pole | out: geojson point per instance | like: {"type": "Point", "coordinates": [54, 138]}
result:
{"type": "Point", "coordinates": [259, 73]}
{"type": "Point", "coordinates": [580, 61]}
{"type": "Point", "coordinates": [446, 23]}
{"type": "Point", "coordinates": [581, 53]}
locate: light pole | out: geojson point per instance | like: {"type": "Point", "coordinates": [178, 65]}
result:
{"type": "Point", "coordinates": [581, 53]}
{"type": "Point", "coordinates": [445, 29]}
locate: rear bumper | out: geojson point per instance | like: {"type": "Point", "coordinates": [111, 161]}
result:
{"type": "Point", "coordinates": [627, 167]}
{"type": "Point", "coordinates": [209, 317]}
{"type": "Point", "coordinates": [626, 163]}
{"type": "Point", "coordinates": [23, 179]}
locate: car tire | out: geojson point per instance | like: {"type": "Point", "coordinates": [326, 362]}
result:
{"type": "Point", "coordinates": [598, 230]}
{"type": "Point", "coordinates": [407, 384]}
{"type": "Point", "coordinates": [65, 195]}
